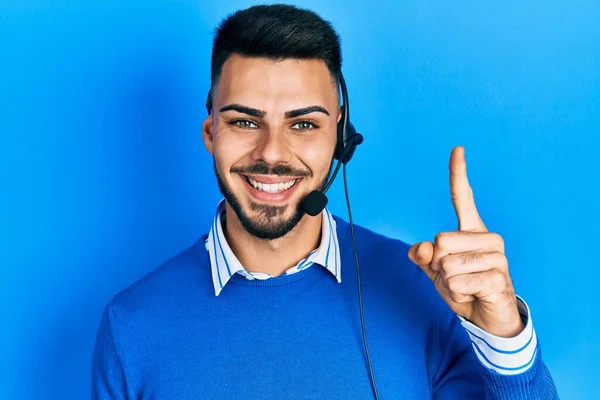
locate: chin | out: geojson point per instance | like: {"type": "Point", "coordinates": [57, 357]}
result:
{"type": "Point", "coordinates": [266, 221]}
{"type": "Point", "coordinates": [263, 220]}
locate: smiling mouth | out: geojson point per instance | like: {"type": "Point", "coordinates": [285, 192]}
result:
{"type": "Point", "coordinates": [276, 187]}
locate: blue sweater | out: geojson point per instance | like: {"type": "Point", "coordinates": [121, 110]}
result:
{"type": "Point", "coordinates": [295, 337]}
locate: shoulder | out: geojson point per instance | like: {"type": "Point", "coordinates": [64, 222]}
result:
{"type": "Point", "coordinates": [173, 279]}
{"type": "Point", "coordinates": [372, 243]}
{"type": "Point", "coordinates": [385, 260]}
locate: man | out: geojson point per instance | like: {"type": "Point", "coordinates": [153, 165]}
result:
{"type": "Point", "coordinates": [264, 305]}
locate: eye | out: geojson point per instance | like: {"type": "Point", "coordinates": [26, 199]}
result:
{"type": "Point", "coordinates": [244, 124]}
{"type": "Point", "coordinates": [304, 126]}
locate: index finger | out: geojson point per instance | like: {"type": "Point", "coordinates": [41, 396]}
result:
{"type": "Point", "coordinates": [462, 193]}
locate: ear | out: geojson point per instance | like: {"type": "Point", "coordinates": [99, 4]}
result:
{"type": "Point", "coordinates": [340, 114]}
{"type": "Point", "coordinates": [207, 133]}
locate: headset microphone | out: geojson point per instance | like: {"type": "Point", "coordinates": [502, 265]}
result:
{"type": "Point", "coordinates": [316, 200]}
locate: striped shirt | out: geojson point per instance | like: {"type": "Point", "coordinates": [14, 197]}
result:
{"type": "Point", "coordinates": [506, 356]}
{"type": "Point", "coordinates": [224, 263]}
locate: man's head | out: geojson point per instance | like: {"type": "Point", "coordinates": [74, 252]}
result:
{"type": "Point", "coordinates": [275, 108]}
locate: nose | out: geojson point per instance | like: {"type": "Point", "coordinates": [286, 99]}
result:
{"type": "Point", "coordinates": [272, 148]}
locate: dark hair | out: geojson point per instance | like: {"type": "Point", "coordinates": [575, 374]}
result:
{"type": "Point", "coordinates": [277, 32]}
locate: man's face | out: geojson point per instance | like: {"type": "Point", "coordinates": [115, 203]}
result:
{"type": "Point", "coordinates": [272, 134]}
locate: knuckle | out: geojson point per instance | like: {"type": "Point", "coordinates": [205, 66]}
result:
{"type": "Point", "coordinates": [498, 240]}
{"type": "Point", "coordinates": [502, 261]}
{"type": "Point", "coordinates": [498, 280]}
{"type": "Point", "coordinates": [459, 297]}
{"type": "Point", "coordinates": [454, 284]}
{"type": "Point", "coordinates": [447, 262]}
{"type": "Point", "coordinates": [441, 239]}
{"type": "Point", "coordinates": [494, 297]}
{"type": "Point", "coordinates": [456, 297]}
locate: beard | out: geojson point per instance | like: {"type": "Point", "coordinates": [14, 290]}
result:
{"type": "Point", "coordinates": [269, 223]}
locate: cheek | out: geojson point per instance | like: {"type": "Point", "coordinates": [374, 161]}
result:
{"type": "Point", "coordinates": [318, 156]}
{"type": "Point", "coordinates": [227, 150]}
{"type": "Point", "coordinates": [317, 160]}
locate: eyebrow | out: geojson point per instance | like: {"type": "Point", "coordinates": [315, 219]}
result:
{"type": "Point", "coordinates": [261, 114]}
{"type": "Point", "coordinates": [244, 110]}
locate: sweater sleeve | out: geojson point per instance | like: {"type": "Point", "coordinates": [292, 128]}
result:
{"type": "Point", "coordinates": [506, 356]}
{"type": "Point", "coordinates": [459, 374]}
{"type": "Point", "coordinates": [109, 375]}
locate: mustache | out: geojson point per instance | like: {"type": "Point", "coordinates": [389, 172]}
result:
{"type": "Point", "coordinates": [266, 169]}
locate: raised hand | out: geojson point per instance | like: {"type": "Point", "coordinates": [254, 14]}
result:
{"type": "Point", "coordinates": [468, 267]}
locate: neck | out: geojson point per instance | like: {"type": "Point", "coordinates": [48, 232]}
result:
{"type": "Point", "coordinates": [276, 256]}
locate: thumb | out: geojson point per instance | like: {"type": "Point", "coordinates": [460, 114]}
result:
{"type": "Point", "coordinates": [422, 255]}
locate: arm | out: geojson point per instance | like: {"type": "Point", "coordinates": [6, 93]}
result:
{"type": "Point", "coordinates": [469, 270]}
{"type": "Point", "coordinates": [109, 374]}
{"type": "Point", "coordinates": [478, 365]}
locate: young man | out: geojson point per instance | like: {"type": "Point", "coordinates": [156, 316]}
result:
{"type": "Point", "coordinates": [264, 305]}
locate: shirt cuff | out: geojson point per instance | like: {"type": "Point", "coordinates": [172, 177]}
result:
{"type": "Point", "coordinates": [506, 356]}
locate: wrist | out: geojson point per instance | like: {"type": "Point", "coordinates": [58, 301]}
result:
{"type": "Point", "coordinates": [510, 331]}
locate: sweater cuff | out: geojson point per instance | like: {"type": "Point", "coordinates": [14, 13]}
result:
{"type": "Point", "coordinates": [506, 356]}
{"type": "Point", "coordinates": [535, 383]}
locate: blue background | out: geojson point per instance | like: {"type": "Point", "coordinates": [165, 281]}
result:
{"type": "Point", "coordinates": [104, 174]}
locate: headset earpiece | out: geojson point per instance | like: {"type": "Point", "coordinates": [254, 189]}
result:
{"type": "Point", "coordinates": [353, 139]}
{"type": "Point", "coordinates": [347, 137]}
{"type": "Point", "coordinates": [339, 146]}
{"type": "Point", "coordinates": [209, 102]}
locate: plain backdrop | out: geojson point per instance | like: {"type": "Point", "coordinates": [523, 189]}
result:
{"type": "Point", "coordinates": [103, 175]}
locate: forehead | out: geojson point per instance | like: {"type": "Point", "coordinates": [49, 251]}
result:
{"type": "Point", "coordinates": [277, 85]}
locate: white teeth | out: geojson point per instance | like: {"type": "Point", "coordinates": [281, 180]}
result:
{"type": "Point", "coordinates": [271, 187]}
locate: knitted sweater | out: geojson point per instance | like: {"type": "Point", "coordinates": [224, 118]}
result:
{"type": "Point", "coordinates": [298, 336]}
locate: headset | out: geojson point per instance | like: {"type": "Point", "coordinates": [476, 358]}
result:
{"type": "Point", "coordinates": [347, 141]}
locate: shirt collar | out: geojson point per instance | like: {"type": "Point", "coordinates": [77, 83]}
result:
{"type": "Point", "coordinates": [224, 263]}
